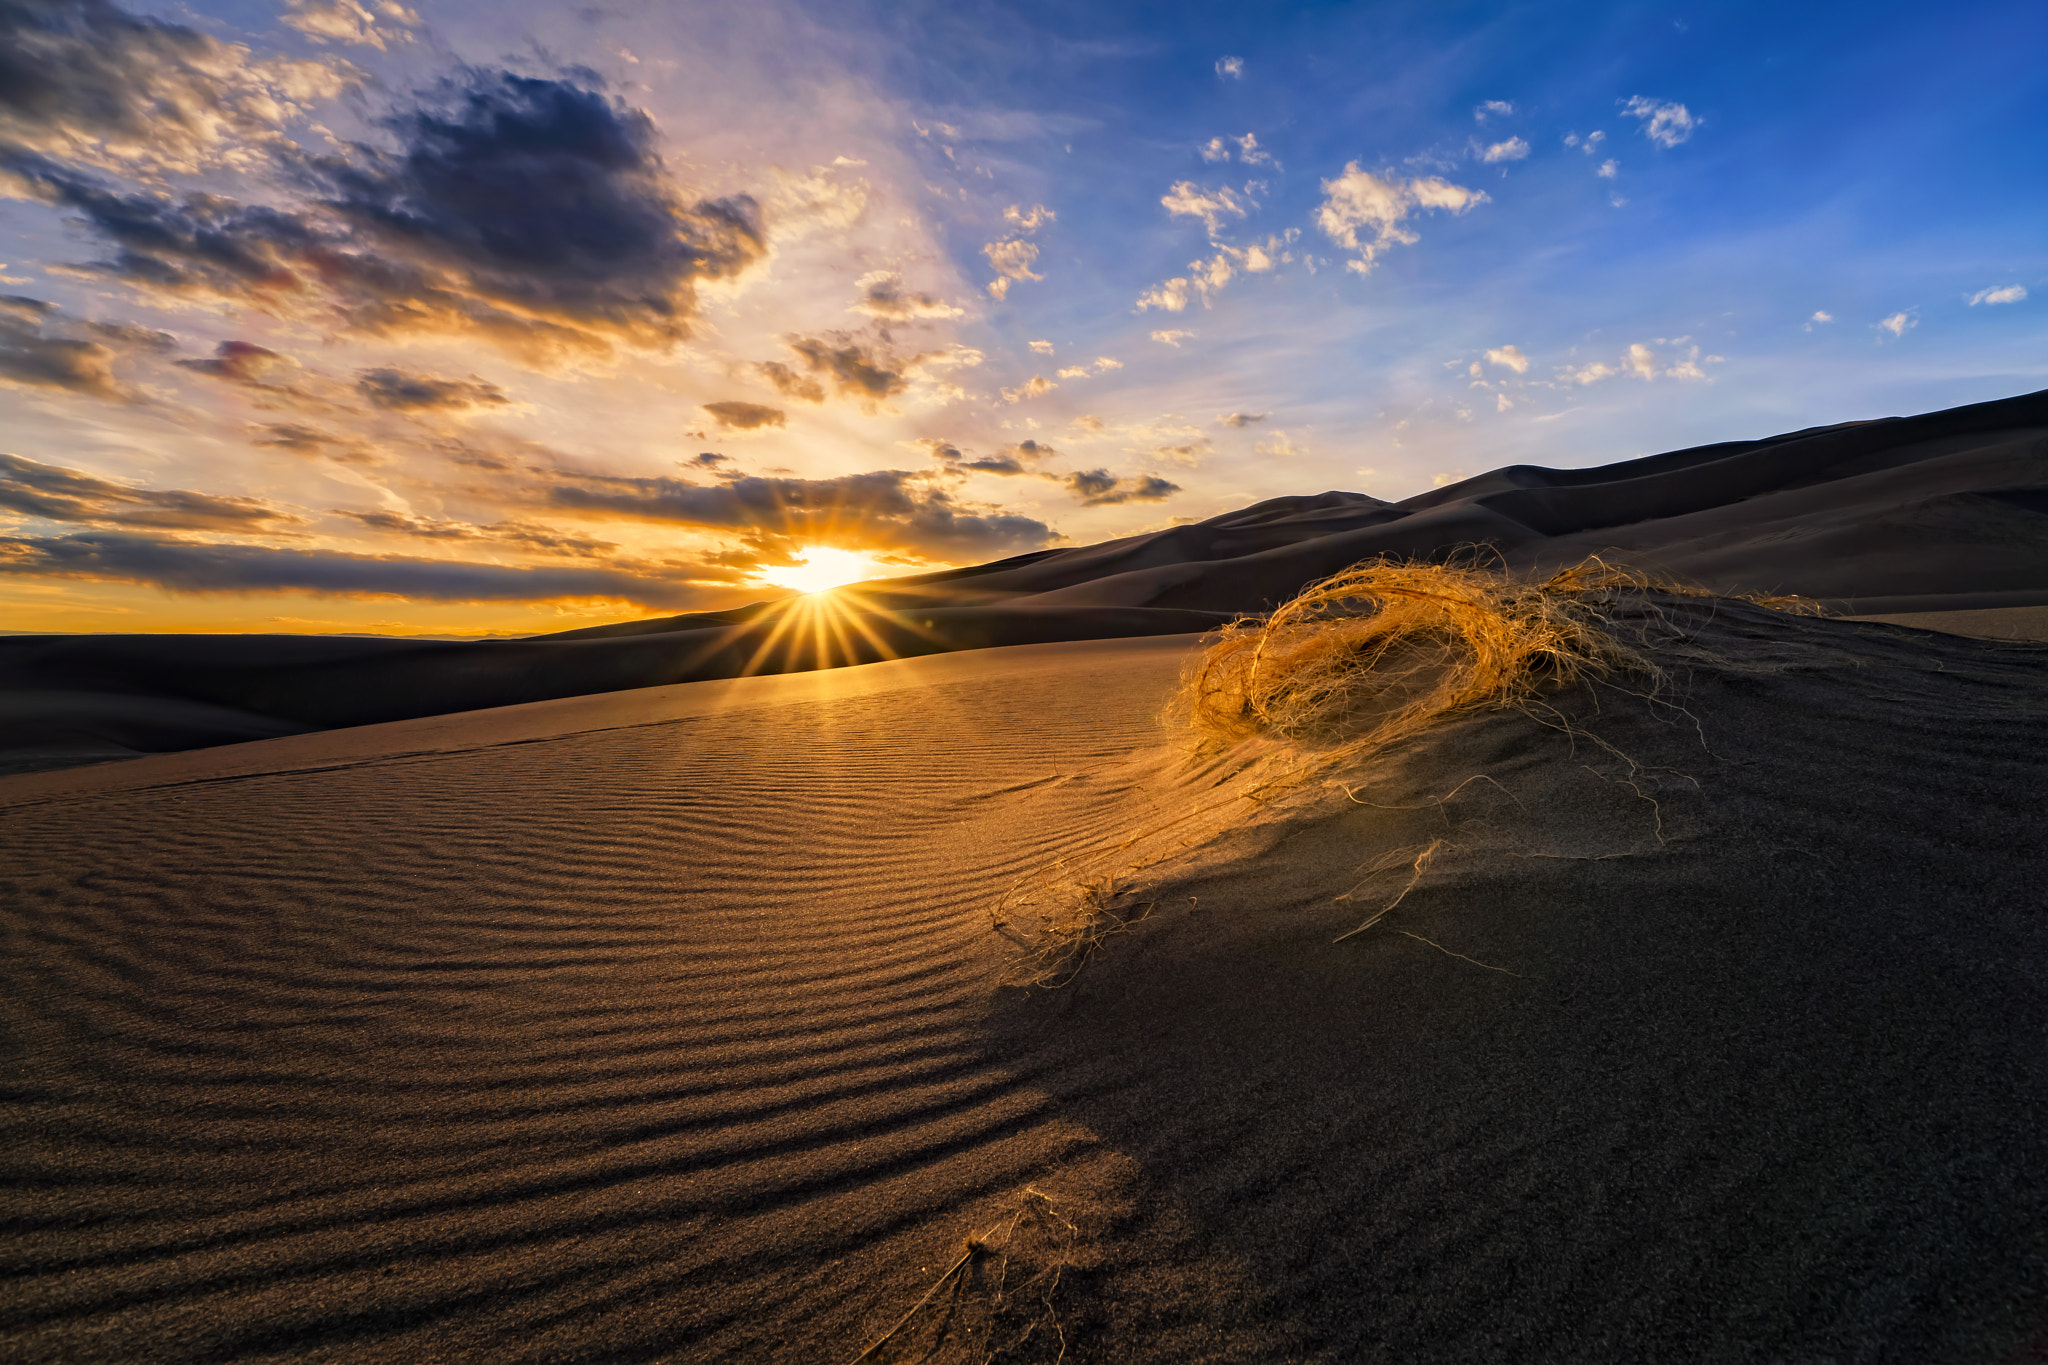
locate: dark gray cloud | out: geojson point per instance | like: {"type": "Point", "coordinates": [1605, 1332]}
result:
{"type": "Point", "coordinates": [58, 494]}
{"type": "Point", "coordinates": [190, 567]}
{"type": "Point", "coordinates": [82, 79]}
{"type": "Point", "coordinates": [398, 390]}
{"type": "Point", "coordinates": [1241, 420]}
{"type": "Point", "coordinates": [885, 509]}
{"type": "Point", "coordinates": [242, 362]}
{"type": "Point", "coordinates": [1099, 488]}
{"type": "Point", "coordinates": [855, 370]}
{"type": "Point", "coordinates": [712, 462]}
{"type": "Point", "coordinates": [883, 296]}
{"type": "Point", "coordinates": [737, 416]}
{"type": "Point", "coordinates": [1025, 457]}
{"type": "Point", "coordinates": [535, 213]}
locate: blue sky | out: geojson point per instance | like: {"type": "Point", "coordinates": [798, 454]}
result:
{"type": "Point", "coordinates": [463, 318]}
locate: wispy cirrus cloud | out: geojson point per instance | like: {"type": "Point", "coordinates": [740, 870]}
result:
{"type": "Point", "coordinates": [2005, 293]}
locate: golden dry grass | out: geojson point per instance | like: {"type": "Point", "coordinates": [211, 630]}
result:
{"type": "Point", "coordinates": [1360, 661]}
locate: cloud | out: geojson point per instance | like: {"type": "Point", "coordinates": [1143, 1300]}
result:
{"type": "Point", "coordinates": [304, 440]}
{"type": "Point", "coordinates": [1029, 220]}
{"type": "Point", "coordinates": [787, 381]}
{"type": "Point", "coordinates": [2010, 293]}
{"type": "Point", "coordinates": [193, 567]}
{"type": "Point", "coordinates": [1248, 150]}
{"type": "Point", "coordinates": [345, 21]}
{"type": "Point", "coordinates": [1588, 143]}
{"type": "Point", "coordinates": [1644, 362]}
{"type": "Point", "coordinates": [1820, 317]}
{"type": "Point", "coordinates": [737, 416]}
{"type": "Point", "coordinates": [243, 362]}
{"type": "Point", "coordinates": [1608, 169]}
{"type": "Point", "coordinates": [1030, 388]}
{"type": "Point", "coordinates": [1358, 199]}
{"type": "Point", "coordinates": [1240, 420]}
{"type": "Point", "coordinates": [886, 509]}
{"type": "Point", "coordinates": [883, 296]}
{"type": "Point", "coordinates": [1509, 358]}
{"type": "Point", "coordinates": [1898, 324]}
{"type": "Point", "coordinates": [1025, 457]}
{"type": "Point", "coordinates": [1099, 488]}
{"type": "Point", "coordinates": [54, 493]}
{"type": "Point", "coordinates": [1279, 446]}
{"type": "Point", "coordinates": [1103, 365]}
{"type": "Point", "coordinates": [517, 535]}
{"type": "Point", "coordinates": [865, 373]}
{"type": "Point", "coordinates": [1514, 149]}
{"type": "Point", "coordinates": [1042, 347]}
{"type": "Point", "coordinates": [1230, 68]}
{"type": "Point", "coordinates": [1213, 207]}
{"type": "Point", "coordinates": [1012, 260]}
{"type": "Point", "coordinates": [1490, 108]}
{"type": "Point", "coordinates": [1501, 402]}
{"type": "Point", "coordinates": [397, 390]}
{"type": "Point", "coordinates": [82, 80]}
{"type": "Point", "coordinates": [1171, 336]}
{"type": "Point", "coordinates": [531, 213]}
{"type": "Point", "coordinates": [1666, 125]}
{"type": "Point", "coordinates": [1172, 296]}
{"type": "Point", "coordinates": [33, 354]}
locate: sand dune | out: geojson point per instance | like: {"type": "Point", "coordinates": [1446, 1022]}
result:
{"type": "Point", "coordinates": [656, 1013]}
{"type": "Point", "coordinates": [663, 1025]}
{"type": "Point", "coordinates": [1944, 512]}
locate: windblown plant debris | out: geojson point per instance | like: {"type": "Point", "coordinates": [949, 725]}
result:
{"type": "Point", "coordinates": [1357, 663]}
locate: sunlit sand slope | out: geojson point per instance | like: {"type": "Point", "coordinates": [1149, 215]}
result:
{"type": "Point", "coordinates": [662, 1025]}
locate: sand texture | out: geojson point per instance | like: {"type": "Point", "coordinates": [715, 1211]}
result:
{"type": "Point", "coordinates": [667, 1025]}
{"type": "Point", "coordinates": [1945, 512]}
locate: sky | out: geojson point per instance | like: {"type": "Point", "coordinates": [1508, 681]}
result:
{"type": "Point", "coordinates": [479, 318]}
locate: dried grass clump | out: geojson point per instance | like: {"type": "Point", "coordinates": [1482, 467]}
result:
{"type": "Point", "coordinates": [1360, 661]}
{"type": "Point", "coordinates": [1385, 649]}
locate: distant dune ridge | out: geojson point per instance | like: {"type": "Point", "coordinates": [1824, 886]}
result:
{"type": "Point", "coordinates": [1943, 512]}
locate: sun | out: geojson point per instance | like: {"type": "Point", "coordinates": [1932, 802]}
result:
{"type": "Point", "coordinates": [823, 567]}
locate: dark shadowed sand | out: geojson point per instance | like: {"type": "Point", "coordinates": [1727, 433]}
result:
{"type": "Point", "coordinates": [665, 1024]}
